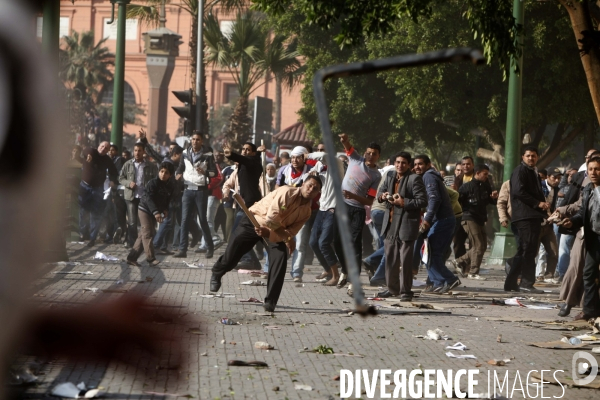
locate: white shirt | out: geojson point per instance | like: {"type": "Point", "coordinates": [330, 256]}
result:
{"type": "Point", "coordinates": [139, 179]}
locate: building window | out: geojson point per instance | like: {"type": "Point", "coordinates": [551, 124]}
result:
{"type": "Point", "coordinates": [62, 31]}
{"type": "Point", "coordinates": [226, 27]}
{"type": "Point", "coordinates": [131, 29]}
{"type": "Point", "coordinates": [231, 93]}
{"type": "Point", "coordinates": [107, 94]}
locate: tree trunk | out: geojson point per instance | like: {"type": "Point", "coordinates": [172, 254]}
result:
{"type": "Point", "coordinates": [581, 21]}
{"type": "Point", "coordinates": [278, 103]}
{"type": "Point", "coordinates": [558, 144]}
{"type": "Point", "coordinates": [240, 124]}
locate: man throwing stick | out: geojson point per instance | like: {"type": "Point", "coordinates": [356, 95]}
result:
{"type": "Point", "coordinates": [280, 215]}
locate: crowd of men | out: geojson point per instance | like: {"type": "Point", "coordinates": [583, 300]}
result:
{"type": "Point", "coordinates": [415, 213]}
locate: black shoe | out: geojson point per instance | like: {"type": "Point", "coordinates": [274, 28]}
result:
{"type": "Point", "coordinates": [81, 238]}
{"type": "Point", "coordinates": [512, 289]}
{"type": "Point", "coordinates": [194, 242]}
{"type": "Point", "coordinates": [531, 290]}
{"type": "Point", "coordinates": [369, 268]}
{"type": "Point", "coordinates": [200, 250]}
{"type": "Point", "coordinates": [166, 252]}
{"type": "Point", "coordinates": [215, 283]}
{"type": "Point", "coordinates": [209, 253]}
{"type": "Point", "coordinates": [117, 236]}
{"type": "Point", "coordinates": [454, 284]}
{"type": "Point", "coordinates": [428, 289]}
{"type": "Point", "coordinates": [406, 297]}
{"type": "Point", "coordinates": [91, 243]}
{"type": "Point", "coordinates": [269, 307]}
{"type": "Point", "coordinates": [447, 287]}
{"type": "Point", "coordinates": [386, 294]}
{"type": "Point", "coordinates": [565, 310]}
{"type": "Point", "coordinates": [181, 254]}
{"type": "Point", "coordinates": [377, 282]}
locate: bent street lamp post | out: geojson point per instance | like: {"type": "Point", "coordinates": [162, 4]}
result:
{"type": "Point", "coordinates": [361, 68]}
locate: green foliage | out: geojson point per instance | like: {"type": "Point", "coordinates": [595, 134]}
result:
{"type": "Point", "coordinates": [323, 349]}
{"type": "Point", "coordinates": [85, 65]}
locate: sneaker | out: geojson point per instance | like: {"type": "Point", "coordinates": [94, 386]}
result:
{"type": "Point", "coordinates": [386, 294]}
{"type": "Point", "coordinates": [322, 275]}
{"type": "Point", "coordinates": [477, 276]}
{"type": "Point", "coordinates": [324, 279]}
{"type": "Point", "coordinates": [298, 279]}
{"type": "Point", "coordinates": [428, 289]}
{"type": "Point", "coordinates": [210, 253]}
{"type": "Point", "coordinates": [181, 254]}
{"type": "Point", "coordinates": [406, 297]}
{"type": "Point", "coordinates": [166, 252]}
{"type": "Point", "coordinates": [454, 284]}
{"type": "Point", "coordinates": [350, 291]}
{"type": "Point", "coordinates": [377, 282]}
{"type": "Point", "coordinates": [457, 268]}
{"type": "Point", "coordinates": [342, 281]}
{"type": "Point", "coordinates": [531, 290]}
{"type": "Point", "coordinates": [201, 250]}
{"type": "Point", "coordinates": [540, 278]}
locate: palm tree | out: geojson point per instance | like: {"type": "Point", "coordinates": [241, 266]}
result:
{"type": "Point", "coordinates": [249, 53]}
{"type": "Point", "coordinates": [149, 14]}
{"type": "Point", "coordinates": [282, 61]}
{"type": "Point", "coordinates": [85, 66]}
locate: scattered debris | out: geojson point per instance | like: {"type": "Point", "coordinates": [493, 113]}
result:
{"type": "Point", "coordinates": [90, 289]}
{"type": "Point", "coordinates": [499, 339]}
{"type": "Point", "coordinates": [299, 285]}
{"type": "Point", "coordinates": [274, 327]}
{"type": "Point", "coordinates": [70, 391]}
{"type": "Point", "coordinates": [77, 242]}
{"type": "Point", "coordinates": [345, 302]}
{"type": "Point", "coordinates": [457, 346]}
{"type": "Point", "coordinates": [574, 341]}
{"type": "Point", "coordinates": [418, 283]}
{"type": "Point", "coordinates": [240, 363]}
{"type": "Point", "coordinates": [255, 282]}
{"type": "Point", "coordinates": [74, 272]}
{"type": "Point", "coordinates": [499, 363]}
{"type": "Point", "coordinates": [423, 306]}
{"type": "Point", "coordinates": [119, 282]}
{"type": "Point", "coordinates": [223, 341]}
{"type": "Point", "coordinates": [204, 354]}
{"type": "Point", "coordinates": [299, 386]}
{"type": "Point", "coordinates": [305, 302]}
{"type": "Point", "coordinates": [596, 350]}
{"type": "Point", "coordinates": [195, 331]}
{"type": "Point", "coordinates": [462, 356]}
{"type": "Point", "coordinates": [229, 321]}
{"type": "Point", "coordinates": [348, 329]}
{"type": "Point", "coordinates": [263, 346]}
{"type": "Point", "coordinates": [233, 343]}
{"type": "Point", "coordinates": [336, 378]}
{"type": "Point", "coordinates": [275, 388]}
{"type": "Point", "coordinates": [323, 349]}
{"type": "Point", "coordinates": [22, 376]}
{"type": "Point", "coordinates": [557, 344]}
{"type": "Point", "coordinates": [149, 279]}
{"type": "Point", "coordinates": [191, 265]}
{"type": "Point", "coordinates": [434, 334]}
{"type": "Point", "coordinates": [250, 271]}
{"type": "Point", "coordinates": [251, 300]}
{"type": "Point", "coordinates": [104, 257]}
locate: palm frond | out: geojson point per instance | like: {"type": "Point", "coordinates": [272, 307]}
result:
{"type": "Point", "coordinates": [147, 15]}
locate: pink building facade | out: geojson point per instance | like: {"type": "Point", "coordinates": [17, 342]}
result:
{"type": "Point", "coordinates": [93, 14]}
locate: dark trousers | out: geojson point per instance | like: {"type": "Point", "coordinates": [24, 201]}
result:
{"type": "Point", "coordinates": [120, 208]}
{"type": "Point", "coordinates": [91, 208]}
{"type": "Point", "coordinates": [356, 223]}
{"type": "Point", "coordinates": [460, 238]}
{"type": "Point", "coordinates": [166, 227]}
{"type": "Point", "coordinates": [175, 211]}
{"type": "Point", "coordinates": [523, 263]}
{"type": "Point", "coordinates": [132, 221]}
{"type": "Point", "coordinates": [591, 300]}
{"type": "Point", "coordinates": [399, 253]}
{"type": "Point", "coordinates": [322, 237]}
{"type": "Point", "coordinates": [242, 240]}
{"type": "Point", "coordinates": [198, 200]}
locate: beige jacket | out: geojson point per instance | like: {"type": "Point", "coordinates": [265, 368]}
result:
{"type": "Point", "coordinates": [231, 183]}
{"type": "Point", "coordinates": [503, 204]}
{"type": "Point", "coordinates": [282, 208]}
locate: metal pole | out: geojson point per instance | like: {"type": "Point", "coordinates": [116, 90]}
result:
{"type": "Point", "coordinates": [199, 66]}
{"type": "Point", "coordinates": [504, 245]}
{"type": "Point", "coordinates": [116, 136]}
{"type": "Point", "coordinates": [361, 68]}
{"type": "Point", "coordinates": [51, 28]}
{"type": "Point", "coordinates": [513, 112]}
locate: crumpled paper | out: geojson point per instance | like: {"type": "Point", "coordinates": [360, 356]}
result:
{"type": "Point", "coordinates": [70, 391]}
{"type": "Point", "coordinates": [104, 257]}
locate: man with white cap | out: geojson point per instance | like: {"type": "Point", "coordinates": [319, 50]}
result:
{"type": "Point", "coordinates": [294, 174]}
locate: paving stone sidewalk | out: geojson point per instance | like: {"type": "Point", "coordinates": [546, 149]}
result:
{"type": "Point", "coordinates": [308, 315]}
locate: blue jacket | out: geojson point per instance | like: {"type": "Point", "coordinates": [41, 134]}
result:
{"type": "Point", "coordinates": [438, 202]}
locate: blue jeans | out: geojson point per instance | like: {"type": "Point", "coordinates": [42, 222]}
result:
{"type": "Point", "coordinates": [564, 253]}
{"type": "Point", "coordinates": [375, 258]}
{"type": "Point", "coordinates": [191, 199]}
{"type": "Point", "coordinates": [91, 209]}
{"type": "Point", "coordinates": [160, 239]}
{"type": "Point", "coordinates": [439, 239]}
{"type": "Point", "coordinates": [380, 272]}
{"type": "Point", "coordinates": [321, 239]}
{"type": "Point", "coordinates": [302, 239]}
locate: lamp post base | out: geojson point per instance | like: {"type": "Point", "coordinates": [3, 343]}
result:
{"type": "Point", "coordinates": [503, 248]}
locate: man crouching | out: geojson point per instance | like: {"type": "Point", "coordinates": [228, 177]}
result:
{"type": "Point", "coordinates": [280, 215]}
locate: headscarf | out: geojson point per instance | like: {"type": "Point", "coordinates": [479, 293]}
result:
{"type": "Point", "coordinates": [299, 151]}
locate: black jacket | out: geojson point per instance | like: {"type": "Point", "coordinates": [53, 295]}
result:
{"type": "Point", "coordinates": [526, 194]}
{"type": "Point", "coordinates": [249, 171]}
{"type": "Point", "coordinates": [157, 195]}
{"type": "Point", "coordinates": [574, 188]}
{"type": "Point", "coordinates": [582, 218]}
{"type": "Point", "coordinates": [474, 197]}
